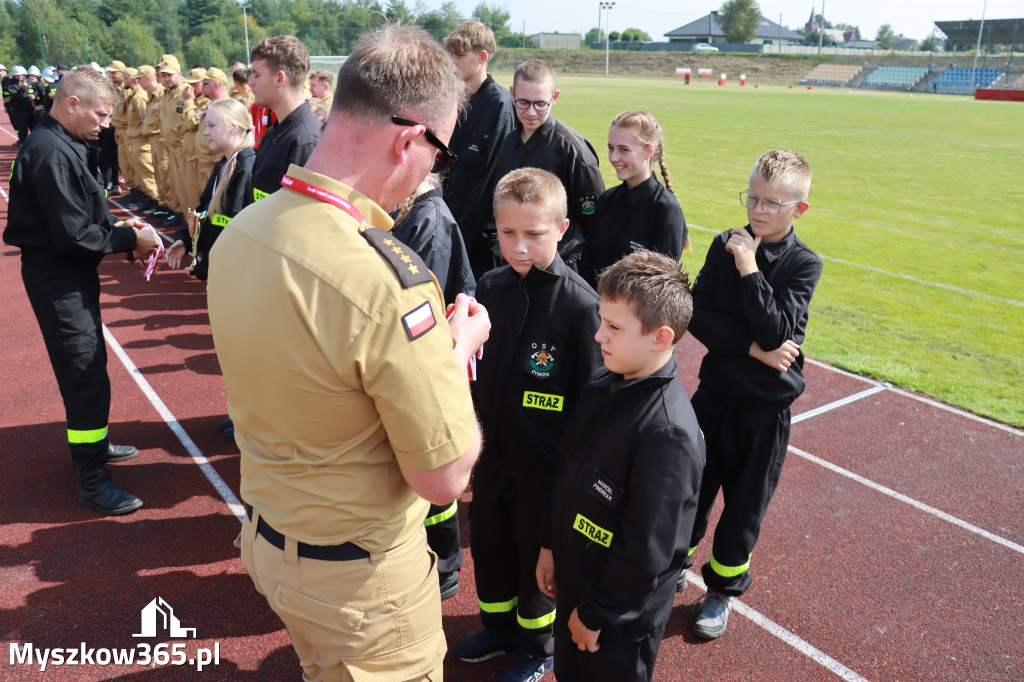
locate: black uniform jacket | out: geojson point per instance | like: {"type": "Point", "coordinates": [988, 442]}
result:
{"type": "Point", "coordinates": [232, 201]}
{"type": "Point", "coordinates": [17, 96]}
{"type": "Point", "coordinates": [286, 142]}
{"type": "Point", "coordinates": [624, 503]}
{"type": "Point", "coordinates": [558, 148]}
{"type": "Point", "coordinates": [5, 89]}
{"type": "Point", "coordinates": [477, 140]}
{"type": "Point", "coordinates": [647, 216]}
{"type": "Point", "coordinates": [769, 306]}
{"type": "Point", "coordinates": [431, 231]}
{"type": "Point", "coordinates": [538, 358]}
{"type": "Point", "coordinates": [57, 204]}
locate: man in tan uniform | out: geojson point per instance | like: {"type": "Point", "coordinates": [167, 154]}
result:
{"type": "Point", "coordinates": [144, 132]}
{"type": "Point", "coordinates": [189, 127]}
{"type": "Point", "coordinates": [172, 110]}
{"type": "Point", "coordinates": [118, 118]}
{"type": "Point", "coordinates": [321, 86]}
{"type": "Point", "coordinates": [214, 86]}
{"type": "Point", "coordinates": [240, 89]}
{"type": "Point", "coordinates": [356, 410]}
{"type": "Point", "coordinates": [152, 129]}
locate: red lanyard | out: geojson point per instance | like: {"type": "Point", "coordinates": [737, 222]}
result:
{"type": "Point", "coordinates": [323, 195]}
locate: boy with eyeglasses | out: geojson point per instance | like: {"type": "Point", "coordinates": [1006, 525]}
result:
{"type": "Point", "coordinates": [542, 141]}
{"type": "Point", "coordinates": [750, 306]}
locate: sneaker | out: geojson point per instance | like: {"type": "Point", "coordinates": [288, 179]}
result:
{"type": "Point", "coordinates": [525, 668]}
{"type": "Point", "coordinates": [483, 646]}
{"type": "Point", "coordinates": [712, 616]}
{"type": "Point", "coordinates": [449, 583]}
{"type": "Point", "coordinates": [681, 581]}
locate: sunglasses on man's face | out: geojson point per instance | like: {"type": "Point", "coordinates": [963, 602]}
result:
{"type": "Point", "coordinates": [444, 157]}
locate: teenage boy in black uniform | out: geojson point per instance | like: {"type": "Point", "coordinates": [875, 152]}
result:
{"type": "Point", "coordinates": [60, 220]}
{"type": "Point", "coordinates": [19, 97]}
{"type": "Point", "coordinates": [277, 76]}
{"type": "Point", "coordinates": [629, 472]}
{"type": "Point", "coordinates": [478, 137]}
{"type": "Point", "coordinates": [542, 141]}
{"type": "Point", "coordinates": [750, 305]}
{"type": "Point", "coordinates": [540, 355]}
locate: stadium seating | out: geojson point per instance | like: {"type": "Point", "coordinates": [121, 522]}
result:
{"type": "Point", "coordinates": [1019, 83]}
{"type": "Point", "coordinates": [895, 77]}
{"type": "Point", "coordinates": [831, 75]}
{"type": "Point", "coordinates": [958, 81]}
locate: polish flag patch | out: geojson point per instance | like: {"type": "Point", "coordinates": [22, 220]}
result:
{"type": "Point", "coordinates": [419, 321]}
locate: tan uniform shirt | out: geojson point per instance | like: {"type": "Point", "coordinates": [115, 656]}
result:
{"type": "Point", "coordinates": [328, 388]}
{"type": "Point", "coordinates": [189, 124]}
{"type": "Point", "coordinates": [246, 98]}
{"type": "Point", "coordinates": [172, 110]}
{"type": "Point", "coordinates": [151, 112]}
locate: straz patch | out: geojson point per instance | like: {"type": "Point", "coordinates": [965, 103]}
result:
{"type": "Point", "coordinates": [604, 489]}
{"type": "Point", "coordinates": [593, 531]}
{"type": "Point", "coordinates": [540, 360]}
{"type": "Point", "coordinates": [588, 204]}
{"type": "Point", "coordinates": [420, 321]}
{"type": "Point", "coordinates": [543, 401]}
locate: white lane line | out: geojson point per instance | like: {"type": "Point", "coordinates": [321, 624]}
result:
{"type": "Point", "coordinates": [838, 403]}
{"type": "Point", "coordinates": [957, 411]}
{"type": "Point", "coordinates": [773, 628]}
{"type": "Point", "coordinates": [899, 275]}
{"type": "Point", "coordinates": [193, 450]}
{"type": "Point", "coordinates": [921, 506]}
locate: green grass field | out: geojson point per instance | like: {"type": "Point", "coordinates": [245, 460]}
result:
{"type": "Point", "coordinates": [916, 207]}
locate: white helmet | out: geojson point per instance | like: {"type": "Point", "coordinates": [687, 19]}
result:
{"type": "Point", "coordinates": [48, 72]}
{"type": "Point", "coordinates": [33, 70]}
{"type": "Point", "coordinates": [17, 70]}
{"type": "Point", "coordinates": [2, 67]}
{"type": "Point", "coordinates": [96, 67]}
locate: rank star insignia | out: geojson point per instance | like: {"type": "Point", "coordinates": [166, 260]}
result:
{"type": "Point", "coordinates": [389, 242]}
{"type": "Point", "coordinates": [406, 259]}
{"type": "Point", "coordinates": [414, 270]}
{"type": "Point", "coordinates": [396, 249]}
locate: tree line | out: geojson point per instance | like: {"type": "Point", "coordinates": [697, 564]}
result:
{"type": "Point", "coordinates": [209, 32]}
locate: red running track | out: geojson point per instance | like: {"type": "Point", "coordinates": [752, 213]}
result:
{"type": "Point", "coordinates": [894, 549]}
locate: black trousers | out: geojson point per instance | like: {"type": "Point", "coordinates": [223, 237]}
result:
{"type": "Point", "coordinates": [23, 122]}
{"type": "Point", "coordinates": [443, 536]}
{"type": "Point", "coordinates": [504, 541]}
{"type": "Point", "coordinates": [746, 448]}
{"type": "Point", "coordinates": [65, 297]}
{"type": "Point", "coordinates": [620, 657]}
{"type": "Point", "coordinates": [109, 168]}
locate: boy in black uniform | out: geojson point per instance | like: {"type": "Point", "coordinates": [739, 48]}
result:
{"type": "Point", "coordinates": [477, 139]}
{"type": "Point", "coordinates": [278, 74]}
{"type": "Point", "coordinates": [750, 305]}
{"type": "Point", "coordinates": [539, 358]}
{"type": "Point", "coordinates": [628, 476]}
{"type": "Point", "coordinates": [541, 141]}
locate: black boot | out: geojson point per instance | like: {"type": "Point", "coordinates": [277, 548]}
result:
{"type": "Point", "coordinates": [121, 453]}
{"type": "Point", "coordinates": [97, 491]}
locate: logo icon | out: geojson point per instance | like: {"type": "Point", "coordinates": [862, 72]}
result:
{"type": "Point", "coordinates": [159, 612]}
{"type": "Point", "coordinates": [541, 361]}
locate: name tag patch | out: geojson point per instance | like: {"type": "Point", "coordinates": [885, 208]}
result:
{"type": "Point", "coordinates": [419, 321]}
{"type": "Point", "coordinates": [543, 401]}
{"type": "Point", "coordinates": [604, 489]}
{"type": "Point", "coordinates": [593, 531]}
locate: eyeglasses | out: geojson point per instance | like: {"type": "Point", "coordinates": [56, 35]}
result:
{"type": "Point", "coordinates": [444, 157]}
{"type": "Point", "coordinates": [768, 205]}
{"type": "Point", "coordinates": [540, 105]}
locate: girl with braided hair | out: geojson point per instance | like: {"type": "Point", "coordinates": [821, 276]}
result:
{"type": "Point", "coordinates": [640, 213]}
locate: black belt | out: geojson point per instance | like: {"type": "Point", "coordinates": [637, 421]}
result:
{"type": "Point", "coordinates": [344, 552]}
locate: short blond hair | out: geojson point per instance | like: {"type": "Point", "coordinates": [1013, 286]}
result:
{"type": "Point", "coordinates": [322, 75]}
{"type": "Point", "coordinates": [471, 36]}
{"type": "Point", "coordinates": [88, 85]}
{"type": "Point", "coordinates": [534, 187]}
{"type": "Point", "coordinates": [787, 169]}
{"type": "Point", "coordinates": [399, 70]}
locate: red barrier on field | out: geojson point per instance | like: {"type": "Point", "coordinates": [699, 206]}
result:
{"type": "Point", "coordinates": [1000, 95]}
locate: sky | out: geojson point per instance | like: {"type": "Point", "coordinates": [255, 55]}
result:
{"type": "Point", "coordinates": [912, 18]}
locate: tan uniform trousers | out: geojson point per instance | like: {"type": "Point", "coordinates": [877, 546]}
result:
{"type": "Point", "coordinates": [160, 171]}
{"type": "Point", "coordinates": [177, 193]}
{"type": "Point", "coordinates": [363, 620]}
{"type": "Point", "coordinates": [124, 158]}
{"type": "Point", "coordinates": [142, 167]}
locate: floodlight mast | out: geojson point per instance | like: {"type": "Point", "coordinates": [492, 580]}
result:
{"type": "Point", "coordinates": [607, 7]}
{"type": "Point", "coordinates": [977, 48]}
{"type": "Point", "coordinates": [245, 23]}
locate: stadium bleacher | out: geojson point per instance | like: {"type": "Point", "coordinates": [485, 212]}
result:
{"type": "Point", "coordinates": [895, 77]}
{"type": "Point", "coordinates": [963, 81]}
{"type": "Point", "coordinates": [1019, 83]}
{"type": "Point", "coordinates": [832, 75]}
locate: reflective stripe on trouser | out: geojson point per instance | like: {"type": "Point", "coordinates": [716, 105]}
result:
{"type": "Point", "coordinates": [64, 294]}
{"type": "Point", "coordinates": [504, 524]}
{"type": "Point", "coordinates": [443, 534]}
{"type": "Point", "coordinates": [746, 448]}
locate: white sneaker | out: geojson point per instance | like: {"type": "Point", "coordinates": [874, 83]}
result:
{"type": "Point", "coordinates": [712, 616]}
